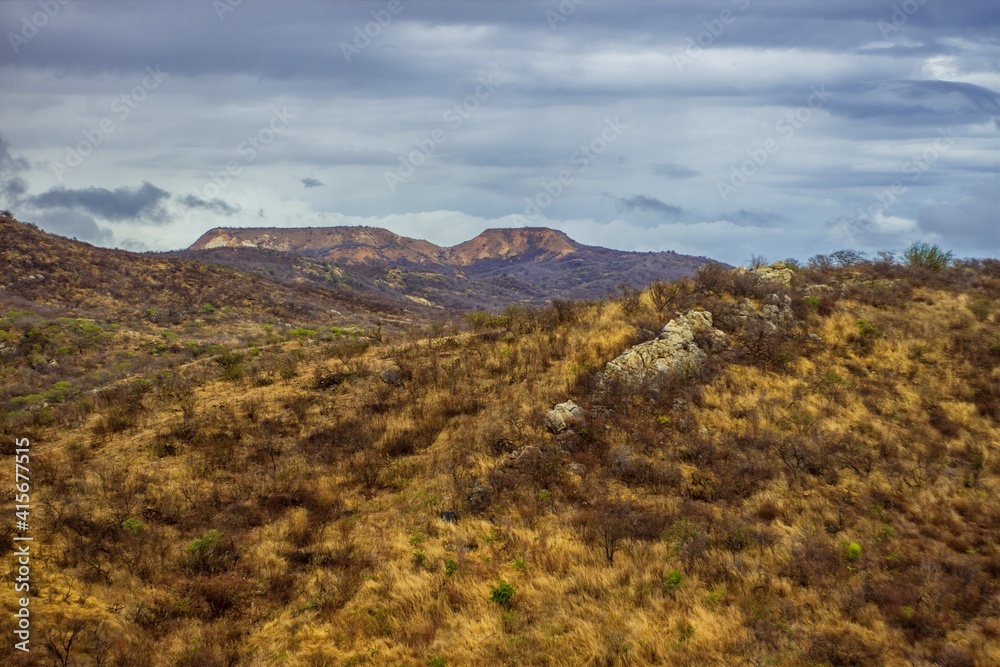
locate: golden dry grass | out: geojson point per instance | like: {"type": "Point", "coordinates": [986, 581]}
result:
{"type": "Point", "coordinates": [331, 548]}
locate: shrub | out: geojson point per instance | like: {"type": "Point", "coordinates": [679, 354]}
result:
{"type": "Point", "coordinates": [714, 277]}
{"type": "Point", "coordinates": [450, 567]}
{"type": "Point", "coordinates": [981, 308]}
{"type": "Point", "coordinates": [132, 525]}
{"type": "Point", "coordinates": [205, 543]}
{"type": "Point", "coordinates": [866, 336]}
{"type": "Point", "coordinates": [503, 594]}
{"type": "Point", "coordinates": [845, 259]}
{"type": "Point", "coordinates": [841, 647]}
{"type": "Point", "coordinates": [610, 524]}
{"type": "Point", "coordinates": [231, 364]}
{"type": "Point", "coordinates": [927, 256]}
{"type": "Point", "coordinates": [663, 294]}
{"type": "Point", "coordinates": [852, 551]}
{"type": "Point", "coordinates": [673, 581]}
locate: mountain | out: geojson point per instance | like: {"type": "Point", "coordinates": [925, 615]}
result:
{"type": "Point", "coordinates": [346, 244]}
{"type": "Point", "coordinates": [529, 265]}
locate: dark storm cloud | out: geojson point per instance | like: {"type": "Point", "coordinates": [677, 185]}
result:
{"type": "Point", "coordinates": [74, 225]}
{"type": "Point", "coordinates": [674, 170]}
{"type": "Point", "coordinates": [12, 185]}
{"type": "Point", "coordinates": [917, 102]}
{"type": "Point", "coordinates": [647, 203]}
{"type": "Point", "coordinates": [310, 182]}
{"type": "Point", "coordinates": [753, 218]}
{"type": "Point", "coordinates": [142, 203]}
{"type": "Point", "coordinates": [973, 219]}
{"type": "Point", "coordinates": [213, 205]}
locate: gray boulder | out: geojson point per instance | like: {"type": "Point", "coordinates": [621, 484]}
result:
{"type": "Point", "coordinates": [674, 352]}
{"type": "Point", "coordinates": [564, 416]}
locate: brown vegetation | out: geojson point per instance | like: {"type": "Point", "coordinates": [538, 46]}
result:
{"type": "Point", "coordinates": [824, 494]}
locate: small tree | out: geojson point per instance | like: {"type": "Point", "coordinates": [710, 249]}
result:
{"type": "Point", "coordinates": [927, 256]}
{"type": "Point", "coordinates": [663, 294]}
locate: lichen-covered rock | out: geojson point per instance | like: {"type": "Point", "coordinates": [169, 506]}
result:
{"type": "Point", "coordinates": [674, 352]}
{"type": "Point", "coordinates": [818, 290]}
{"type": "Point", "coordinates": [775, 310]}
{"type": "Point", "coordinates": [775, 273]}
{"type": "Point", "coordinates": [564, 416]}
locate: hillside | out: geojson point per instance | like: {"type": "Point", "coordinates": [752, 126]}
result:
{"type": "Point", "coordinates": [783, 466]}
{"type": "Point", "coordinates": [78, 317]}
{"type": "Point", "coordinates": [530, 265]}
{"type": "Point", "coordinates": [70, 278]}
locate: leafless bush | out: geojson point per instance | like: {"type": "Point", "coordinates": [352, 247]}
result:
{"type": "Point", "coordinates": [714, 278]}
{"type": "Point", "coordinates": [609, 524]}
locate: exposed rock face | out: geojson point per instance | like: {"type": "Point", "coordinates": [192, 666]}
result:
{"type": "Point", "coordinates": [564, 416]}
{"type": "Point", "coordinates": [674, 352]}
{"type": "Point", "coordinates": [775, 273]}
{"type": "Point", "coordinates": [775, 310]}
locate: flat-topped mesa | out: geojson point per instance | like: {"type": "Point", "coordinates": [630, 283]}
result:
{"type": "Point", "coordinates": [347, 244]}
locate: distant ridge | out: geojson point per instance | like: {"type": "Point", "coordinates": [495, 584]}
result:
{"type": "Point", "coordinates": [527, 265]}
{"type": "Point", "coordinates": [358, 244]}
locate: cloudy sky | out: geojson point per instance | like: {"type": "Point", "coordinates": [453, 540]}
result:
{"type": "Point", "coordinates": [728, 128]}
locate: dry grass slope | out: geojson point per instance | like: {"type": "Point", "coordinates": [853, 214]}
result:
{"type": "Point", "coordinates": [824, 495]}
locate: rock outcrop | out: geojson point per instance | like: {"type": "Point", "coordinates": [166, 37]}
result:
{"type": "Point", "coordinates": [774, 273]}
{"type": "Point", "coordinates": [563, 417]}
{"type": "Point", "coordinates": [674, 352]}
{"type": "Point", "coordinates": [775, 310]}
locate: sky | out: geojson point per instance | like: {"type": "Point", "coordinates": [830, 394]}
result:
{"type": "Point", "coordinates": [729, 128]}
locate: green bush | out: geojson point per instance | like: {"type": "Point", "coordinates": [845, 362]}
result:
{"type": "Point", "coordinates": [450, 567]}
{"type": "Point", "coordinates": [852, 551]}
{"type": "Point", "coordinates": [502, 594]}
{"type": "Point", "coordinates": [205, 544]}
{"type": "Point", "coordinates": [927, 256]}
{"type": "Point", "coordinates": [132, 525]}
{"type": "Point", "coordinates": [673, 581]}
